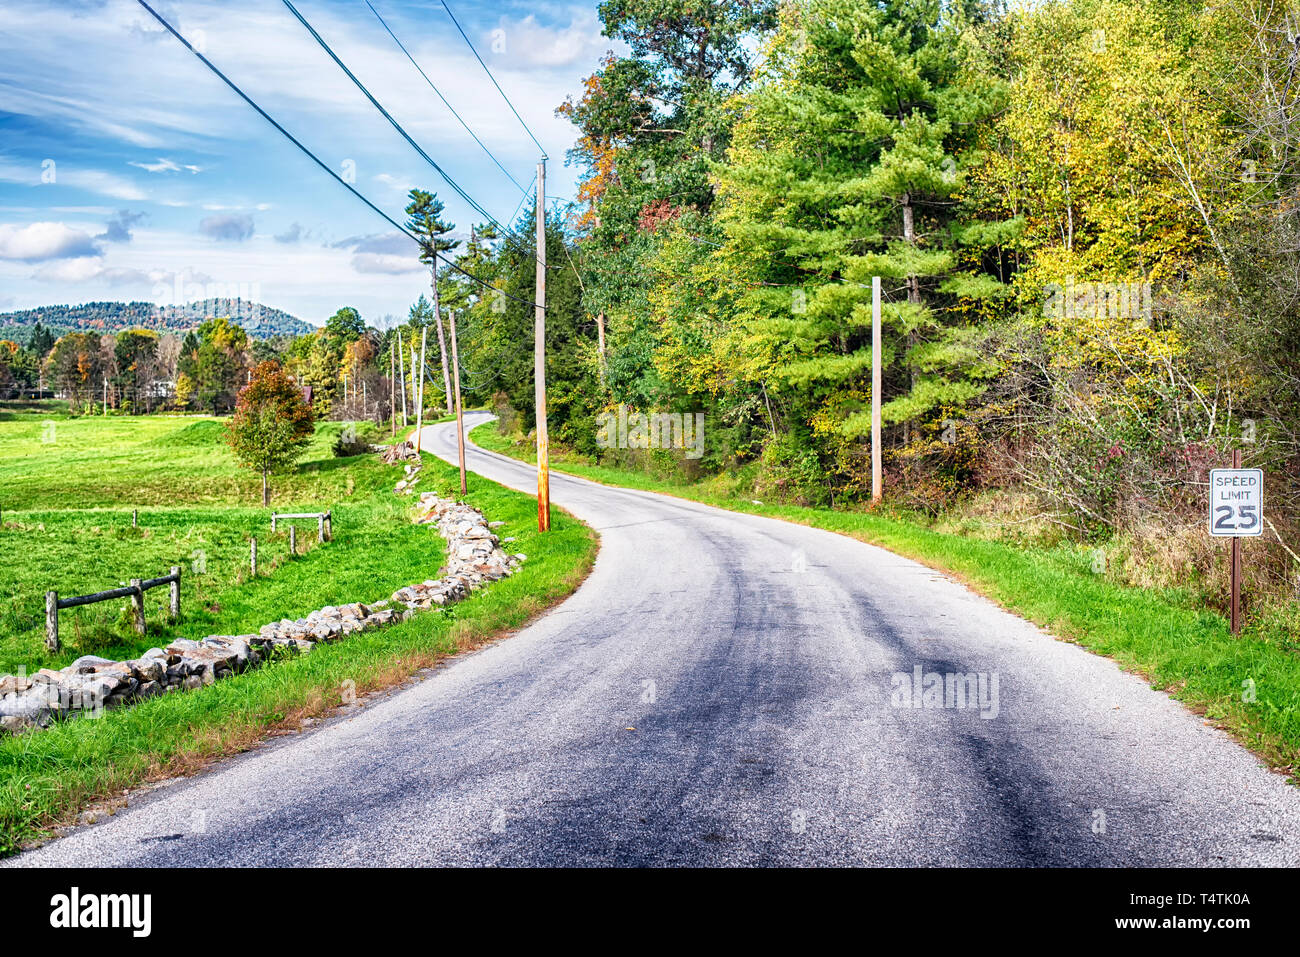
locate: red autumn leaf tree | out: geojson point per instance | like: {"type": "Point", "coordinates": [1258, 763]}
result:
{"type": "Point", "coordinates": [272, 424]}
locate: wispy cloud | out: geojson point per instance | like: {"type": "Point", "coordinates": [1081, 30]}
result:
{"type": "Point", "coordinates": [164, 165]}
{"type": "Point", "coordinates": [89, 270]}
{"type": "Point", "coordinates": [227, 228]}
{"type": "Point", "coordinates": [118, 229]}
{"type": "Point", "coordinates": [295, 233]}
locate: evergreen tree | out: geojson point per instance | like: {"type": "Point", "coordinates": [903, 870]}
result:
{"type": "Point", "coordinates": [424, 219]}
{"type": "Point", "coordinates": [850, 164]}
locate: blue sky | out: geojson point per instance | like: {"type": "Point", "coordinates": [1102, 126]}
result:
{"type": "Point", "coordinates": [129, 171]}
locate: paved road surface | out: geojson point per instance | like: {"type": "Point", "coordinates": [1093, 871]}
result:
{"type": "Point", "coordinates": [701, 701]}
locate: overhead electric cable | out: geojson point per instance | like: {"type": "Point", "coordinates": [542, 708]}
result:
{"type": "Point", "coordinates": [444, 99]}
{"type": "Point", "coordinates": [473, 203]}
{"type": "Point", "coordinates": [493, 79]}
{"type": "Point", "coordinates": [317, 160]}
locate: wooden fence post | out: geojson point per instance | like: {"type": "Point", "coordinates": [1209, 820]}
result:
{"type": "Point", "coordinates": [329, 525]}
{"type": "Point", "coordinates": [252, 555]}
{"type": "Point", "coordinates": [135, 517]}
{"type": "Point", "coordinates": [175, 596]}
{"type": "Point", "coordinates": [52, 621]}
{"type": "Point", "coordinates": [320, 528]}
{"type": "Point", "coordinates": [273, 523]}
{"type": "Point", "coordinates": [137, 603]}
{"type": "Point", "coordinates": [293, 540]}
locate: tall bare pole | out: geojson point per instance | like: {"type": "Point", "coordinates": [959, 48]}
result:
{"type": "Point", "coordinates": [600, 343]}
{"type": "Point", "coordinates": [401, 373]}
{"type": "Point", "coordinates": [875, 389]}
{"type": "Point", "coordinates": [419, 408]}
{"type": "Point", "coordinates": [392, 387]}
{"type": "Point", "coordinates": [442, 344]}
{"type": "Point", "coordinates": [539, 361]}
{"type": "Point", "coordinates": [460, 418]}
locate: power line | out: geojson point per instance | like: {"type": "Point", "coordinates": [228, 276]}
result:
{"type": "Point", "coordinates": [520, 245]}
{"type": "Point", "coordinates": [531, 183]}
{"type": "Point", "coordinates": [444, 99]}
{"type": "Point", "coordinates": [396, 125]}
{"type": "Point", "coordinates": [317, 160]}
{"type": "Point", "coordinates": [493, 79]}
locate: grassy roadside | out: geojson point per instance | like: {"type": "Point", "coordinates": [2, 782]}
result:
{"type": "Point", "coordinates": [1250, 685]}
{"type": "Point", "coordinates": [46, 777]}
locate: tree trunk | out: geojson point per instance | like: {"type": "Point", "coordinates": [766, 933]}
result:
{"type": "Point", "coordinates": [401, 374]}
{"type": "Point", "coordinates": [442, 342]}
{"type": "Point", "coordinates": [266, 490]}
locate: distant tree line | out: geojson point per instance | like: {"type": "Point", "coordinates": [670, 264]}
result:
{"type": "Point", "coordinates": [259, 321]}
{"type": "Point", "coordinates": [345, 364]}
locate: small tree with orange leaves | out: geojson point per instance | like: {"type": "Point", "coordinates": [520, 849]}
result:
{"type": "Point", "coordinates": [272, 423]}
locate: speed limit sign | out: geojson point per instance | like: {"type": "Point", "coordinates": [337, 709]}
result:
{"type": "Point", "coordinates": [1236, 502]}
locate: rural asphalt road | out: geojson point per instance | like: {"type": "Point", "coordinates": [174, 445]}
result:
{"type": "Point", "coordinates": [718, 692]}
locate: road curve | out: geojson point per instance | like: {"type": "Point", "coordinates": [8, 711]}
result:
{"type": "Point", "coordinates": [722, 691]}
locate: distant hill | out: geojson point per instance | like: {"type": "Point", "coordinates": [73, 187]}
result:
{"type": "Point", "coordinates": [260, 322]}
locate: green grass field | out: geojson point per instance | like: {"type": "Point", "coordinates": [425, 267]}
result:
{"type": "Point", "coordinates": [1250, 685]}
{"type": "Point", "coordinates": [192, 497]}
{"type": "Point", "coordinates": [68, 488]}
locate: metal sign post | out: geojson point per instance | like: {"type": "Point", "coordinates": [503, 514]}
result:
{"type": "Point", "coordinates": [1236, 511]}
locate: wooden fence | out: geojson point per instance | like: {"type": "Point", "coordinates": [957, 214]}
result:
{"type": "Point", "coordinates": [324, 522]}
{"type": "Point", "coordinates": [135, 590]}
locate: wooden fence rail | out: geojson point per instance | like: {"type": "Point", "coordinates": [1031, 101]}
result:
{"type": "Point", "coordinates": [324, 522]}
{"type": "Point", "coordinates": [135, 591]}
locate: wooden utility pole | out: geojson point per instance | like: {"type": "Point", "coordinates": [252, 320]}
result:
{"type": "Point", "coordinates": [419, 413]}
{"type": "Point", "coordinates": [392, 388]}
{"type": "Point", "coordinates": [875, 389]}
{"type": "Point", "coordinates": [539, 361]}
{"type": "Point", "coordinates": [1236, 564]}
{"type": "Point", "coordinates": [401, 373]}
{"type": "Point", "coordinates": [460, 419]}
{"type": "Point", "coordinates": [442, 344]}
{"type": "Point", "coordinates": [414, 354]}
{"type": "Point", "coordinates": [600, 343]}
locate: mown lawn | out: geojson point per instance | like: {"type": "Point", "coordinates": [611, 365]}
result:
{"type": "Point", "coordinates": [1250, 685]}
{"type": "Point", "coordinates": [45, 777]}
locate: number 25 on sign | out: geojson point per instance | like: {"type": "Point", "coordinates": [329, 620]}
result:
{"type": "Point", "coordinates": [1236, 502]}
{"type": "Point", "coordinates": [1236, 510]}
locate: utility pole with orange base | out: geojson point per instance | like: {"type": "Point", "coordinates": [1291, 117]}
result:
{"type": "Point", "coordinates": [539, 361]}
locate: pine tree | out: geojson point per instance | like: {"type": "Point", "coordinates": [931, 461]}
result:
{"type": "Point", "coordinates": [424, 218]}
{"type": "Point", "coordinates": [850, 163]}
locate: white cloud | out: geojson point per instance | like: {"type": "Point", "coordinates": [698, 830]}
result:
{"type": "Point", "coordinates": [398, 183]}
{"type": "Point", "coordinates": [386, 264]}
{"type": "Point", "coordinates": [529, 42]}
{"type": "Point", "coordinates": [86, 269]}
{"type": "Point", "coordinates": [38, 242]}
